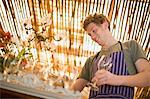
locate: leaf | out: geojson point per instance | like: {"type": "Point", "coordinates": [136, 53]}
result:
{"type": "Point", "coordinates": [21, 53]}
{"type": "Point", "coordinates": [1, 63]}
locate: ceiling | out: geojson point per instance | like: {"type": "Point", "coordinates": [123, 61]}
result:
{"type": "Point", "coordinates": [129, 19]}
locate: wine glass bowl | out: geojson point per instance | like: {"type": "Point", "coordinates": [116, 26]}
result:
{"type": "Point", "coordinates": [105, 62]}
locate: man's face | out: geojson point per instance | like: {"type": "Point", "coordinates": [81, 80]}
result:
{"type": "Point", "coordinates": [96, 32]}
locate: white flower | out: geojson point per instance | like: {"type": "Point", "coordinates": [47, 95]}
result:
{"type": "Point", "coordinates": [46, 20]}
{"type": "Point", "coordinates": [27, 23]}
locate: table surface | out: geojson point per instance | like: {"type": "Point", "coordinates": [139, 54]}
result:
{"type": "Point", "coordinates": [6, 86]}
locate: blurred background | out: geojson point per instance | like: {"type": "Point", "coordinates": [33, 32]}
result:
{"type": "Point", "coordinates": [51, 30]}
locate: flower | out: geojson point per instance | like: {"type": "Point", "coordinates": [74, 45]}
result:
{"type": "Point", "coordinates": [46, 20]}
{"type": "Point", "coordinates": [5, 38]}
{"type": "Point", "coordinates": [27, 23]}
{"type": "Point", "coordinates": [10, 59]}
{"type": "Point", "coordinates": [1, 45]}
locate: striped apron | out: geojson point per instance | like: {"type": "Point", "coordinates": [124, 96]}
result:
{"type": "Point", "coordinates": [114, 92]}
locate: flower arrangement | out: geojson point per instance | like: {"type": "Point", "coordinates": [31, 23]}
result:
{"type": "Point", "coordinates": [14, 62]}
{"type": "Point", "coordinates": [8, 58]}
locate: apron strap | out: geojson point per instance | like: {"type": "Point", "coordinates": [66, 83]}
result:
{"type": "Point", "coordinates": [120, 45]}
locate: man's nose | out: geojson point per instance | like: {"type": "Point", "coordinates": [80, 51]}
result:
{"type": "Point", "coordinates": [93, 36]}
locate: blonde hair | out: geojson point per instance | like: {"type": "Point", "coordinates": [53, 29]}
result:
{"type": "Point", "coordinates": [96, 18]}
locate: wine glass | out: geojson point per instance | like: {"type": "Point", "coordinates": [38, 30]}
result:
{"type": "Point", "coordinates": [105, 62]}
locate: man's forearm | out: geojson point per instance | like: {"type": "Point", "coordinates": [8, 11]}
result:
{"type": "Point", "coordinates": [139, 80]}
{"type": "Point", "coordinates": [79, 85]}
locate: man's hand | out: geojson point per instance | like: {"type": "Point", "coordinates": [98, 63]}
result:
{"type": "Point", "coordinates": [105, 77]}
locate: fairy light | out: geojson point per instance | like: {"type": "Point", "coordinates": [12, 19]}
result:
{"type": "Point", "coordinates": [22, 10]}
{"type": "Point", "coordinates": [131, 33]}
{"type": "Point", "coordinates": [108, 7]}
{"type": "Point", "coordinates": [117, 34]}
{"type": "Point", "coordinates": [12, 26]}
{"type": "Point", "coordinates": [127, 23]}
{"type": "Point", "coordinates": [121, 21]}
{"type": "Point", "coordinates": [5, 17]}
{"type": "Point", "coordinates": [112, 23]}
{"type": "Point", "coordinates": [2, 17]}
{"type": "Point", "coordinates": [138, 18]}
{"type": "Point", "coordinates": [145, 32]}
{"type": "Point", "coordinates": [135, 20]}
{"type": "Point", "coordinates": [84, 42]}
{"type": "Point", "coordinates": [140, 21]}
{"type": "Point", "coordinates": [44, 8]}
{"type": "Point", "coordinates": [92, 7]}
{"type": "Point", "coordinates": [27, 9]}
{"type": "Point", "coordinates": [84, 10]}
{"type": "Point", "coordinates": [11, 29]}
{"type": "Point", "coordinates": [17, 15]}
{"type": "Point", "coordinates": [142, 40]}
{"type": "Point", "coordinates": [55, 19]}
{"type": "Point", "coordinates": [105, 7]}
{"type": "Point", "coordinates": [94, 11]}
{"type": "Point", "coordinates": [19, 9]}
{"type": "Point", "coordinates": [88, 41]}
{"type": "Point", "coordinates": [101, 7]}
{"type": "Point", "coordinates": [3, 25]}
{"type": "Point", "coordinates": [124, 21]}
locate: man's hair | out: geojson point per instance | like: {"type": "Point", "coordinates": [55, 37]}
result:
{"type": "Point", "coordinates": [96, 18]}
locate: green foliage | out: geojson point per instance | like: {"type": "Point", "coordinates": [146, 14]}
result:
{"type": "Point", "coordinates": [11, 60]}
{"type": "Point", "coordinates": [1, 63]}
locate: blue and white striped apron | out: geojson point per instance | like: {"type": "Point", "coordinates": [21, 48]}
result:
{"type": "Point", "coordinates": [114, 92]}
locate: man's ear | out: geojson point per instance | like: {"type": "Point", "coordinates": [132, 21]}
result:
{"type": "Point", "coordinates": [105, 25]}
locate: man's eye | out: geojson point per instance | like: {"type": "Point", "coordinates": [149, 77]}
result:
{"type": "Point", "coordinates": [94, 31]}
{"type": "Point", "coordinates": [89, 34]}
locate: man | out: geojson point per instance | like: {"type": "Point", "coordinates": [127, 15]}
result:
{"type": "Point", "coordinates": [130, 68]}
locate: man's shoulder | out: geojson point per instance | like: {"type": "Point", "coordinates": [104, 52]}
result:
{"type": "Point", "coordinates": [93, 56]}
{"type": "Point", "coordinates": [130, 43]}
